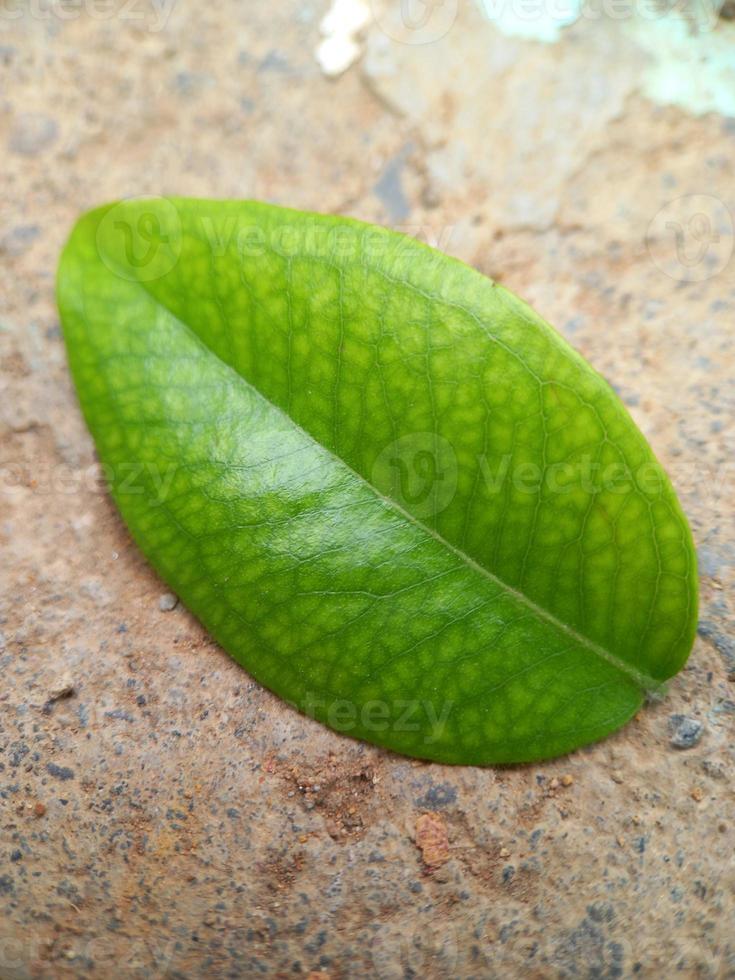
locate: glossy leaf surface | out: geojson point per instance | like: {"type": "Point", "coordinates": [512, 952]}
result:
{"type": "Point", "coordinates": [388, 488]}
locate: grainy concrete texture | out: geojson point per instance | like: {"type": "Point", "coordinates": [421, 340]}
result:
{"type": "Point", "coordinates": [161, 815]}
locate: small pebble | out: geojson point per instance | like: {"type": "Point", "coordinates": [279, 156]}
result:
{"type": "Point", "coordinates": [697, 794]}
{"type": "Point", "coordinates": [39, 810]}
{"type": "Point", "coordinates": [63, 687]}
{"type": "Point", "coordinates": [167, 602]}
{"type": "Point", "coordinates": [432, 840]}
{"type": "Point", "coordinates": [687, 732]}
{"type": "Point", "coordinates": [714, 770]}
{"type": "Point", "coordinates": [567, 780]}
{"type": "Point", "coordinates": [32, 133]}
{"type": "Point", "coordinates": [19, 239]}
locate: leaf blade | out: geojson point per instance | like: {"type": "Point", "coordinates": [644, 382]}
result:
{"type": "Point", "coordinates": [527, 697]}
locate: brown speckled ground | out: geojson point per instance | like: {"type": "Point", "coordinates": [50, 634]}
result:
{"type": "Point", "coordinates": [168, 817]}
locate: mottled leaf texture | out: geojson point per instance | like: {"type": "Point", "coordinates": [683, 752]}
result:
{"type": "Point", "coordinates": [387, 487]}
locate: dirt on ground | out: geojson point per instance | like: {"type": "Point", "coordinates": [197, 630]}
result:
{"type": "Point", "coordinates": [162, 815]}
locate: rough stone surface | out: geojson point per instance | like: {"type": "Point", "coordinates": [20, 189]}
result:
{"type": "Point", "coordinates": [686, 732]}
{"type": "Point", "coordinates": [167, 602]}
{"type": "Point", "coordinates": [170, 818]}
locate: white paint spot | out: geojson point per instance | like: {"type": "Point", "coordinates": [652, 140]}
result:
{"type": "Point", "coordinates": [695, 71]}
{"type": "Point", "coordinates": [535, 20]}
{"type": "Point", "coordinates": [336, 54]}
{"type": "Point", "coordinates": [691, 50]}
{"type": "Point", "coordinates": [345, 17]}
{"type": "Point", "coordinates": [341, 27]}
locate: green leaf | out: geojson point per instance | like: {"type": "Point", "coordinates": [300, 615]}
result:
{"type": "Point", "coordinates": [388, 488]}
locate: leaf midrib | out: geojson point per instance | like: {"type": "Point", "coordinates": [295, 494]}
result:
{"type": "Point", "coordinates": [648, 684]}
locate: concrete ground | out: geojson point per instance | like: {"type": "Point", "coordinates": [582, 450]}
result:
{"type": "Point", "coordinates": [161, 815]}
